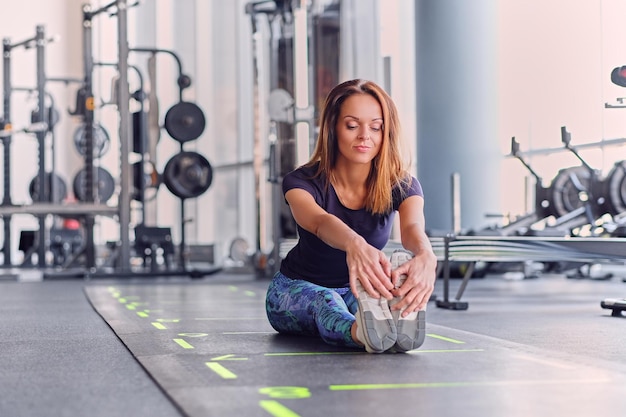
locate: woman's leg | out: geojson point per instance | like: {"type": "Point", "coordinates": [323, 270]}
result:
{"type": "Point", "coordinates": [301, 307]}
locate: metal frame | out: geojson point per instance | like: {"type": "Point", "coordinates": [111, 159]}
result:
{"type": "Point", "coordinates": [39, 41]}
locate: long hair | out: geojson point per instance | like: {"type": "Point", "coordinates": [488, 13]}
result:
{"type": "Point", "coordinates": [388, 168]}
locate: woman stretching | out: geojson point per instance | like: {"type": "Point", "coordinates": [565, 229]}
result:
{"type": "Point", "coordinates": [337, 282]}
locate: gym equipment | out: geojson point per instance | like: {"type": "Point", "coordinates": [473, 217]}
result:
{"type": "Point", "coordinates": [618, 76]}
{"type": "Point", "coordinates": [614, 189]}
{"type": "Point", "coordinates": [575, 197]}
{"type": "Point", "coordinates": [151, 181]}
{"type": "Point", "coordinates": [281, 106]}
{"type": "Point", "coordinates": [187, 174]}
{"type": "Point", "coordinates": [105, 185]}
{"type": "Point", "coordinates": [100, 137]}
{"type": "Point", "coordinates": [150, 242]}
{"type": "Point", "coordinates": [38, 42]}
{"type": "Point", "coordinates": [184, 121]}
{"type": "Point", "coordinates": [617, 305]}
{"type": "Point", "coordinates": [549, 202]}
{"type": "Point", "coordinates": [55, 188]}
{"type": "Point", "coordinates": [51, 117]}
{"type": "Point", "coordinates": [7, 131]}
{"type": "Point", "coordinates": [64, 244]}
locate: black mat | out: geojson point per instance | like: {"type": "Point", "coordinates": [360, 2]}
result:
{"type": "Point", "coordinates": [210, 348]}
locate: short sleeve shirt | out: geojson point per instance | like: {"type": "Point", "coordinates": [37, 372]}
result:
{"type": "Point", "coordinates": [313, 260]}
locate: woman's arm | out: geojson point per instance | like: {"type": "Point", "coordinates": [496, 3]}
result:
{"type": "Point", "coordinates": [365, 263]}
{"type": "Point", "coordinates": [421, 270]}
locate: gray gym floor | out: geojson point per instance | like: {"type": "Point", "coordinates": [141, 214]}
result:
{"type": "Point", "coordinates": [202, 347]}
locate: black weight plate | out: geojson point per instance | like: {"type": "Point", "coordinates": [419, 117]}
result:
{"type": "Point", "coordinates": [104, 185]}
{"type": "Point", "coordinates": [185, 121]}
{"type": "Point", "coordinates": [56, 189]}
{"type": "Point", "coordinates": [187, 174]}
{"type": "Point", "coordinates": [101, 140]}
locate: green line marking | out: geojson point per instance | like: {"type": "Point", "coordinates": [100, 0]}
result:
{"type": "Point", "coordinates": [363, 387]}
{"type": "Point", "coordinates": [229, 357]}
{"type": "Point", "coordinates": [159, 326]}
{"type": "Point", "coordinates": [183, 344]}
{"type": "Point", "coordinates": [142, 314]}
{"type": "Point", "coordinates": [311, 353]}
{"type": "Point", "coordinates": [362, 353]}
{"type": "Point", "coordinates": [447, 339]}
{"type": "Point", "coordinates": [250, 293]}
{"type": "Point", "coordinates": [232, 287]}
{"type": "Point", "coordinates": [131, 306]}
{"type": "Point", "coordinates": [272, 332]}
{"type": "Point", "coordinates": [276, 409]}
{"type": "Point", "coordinates": [220, 370]}
{"type": "Point", "coordinates": [285, 392]}
{"type": "Point", "coordinates": [122, 300]}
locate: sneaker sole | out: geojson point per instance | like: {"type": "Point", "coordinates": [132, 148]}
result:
{"type": "Point", "coordinates": [379, 332]}
{"type": "Point", "coordinates": [411, 331]}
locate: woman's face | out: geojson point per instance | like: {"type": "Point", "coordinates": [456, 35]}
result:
{"type": "Point", "coordinates": [359, 128]}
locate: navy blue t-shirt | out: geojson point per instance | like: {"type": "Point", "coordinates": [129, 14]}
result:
{"type": "Point", "coordinates": [313, 260]}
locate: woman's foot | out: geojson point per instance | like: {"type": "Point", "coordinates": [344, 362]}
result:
{"type": "Point", "coordinates": [411, 330]}
{"type": "Point", "coordinates": [375, 325]}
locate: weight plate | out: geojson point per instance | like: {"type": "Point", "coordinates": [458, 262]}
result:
{"type": "Point", "coordinates": [104, 185]}
{"type": "Point", "coordinates": [281, 106]}
{"type": "Point", "coordinates": [187, 174]}
{"type": "Point", "coordinates": [184, 121]}
{"type": "Point", "coordinates": [101, 140]}
{"type": "Point", "coordinates": [56, 188]}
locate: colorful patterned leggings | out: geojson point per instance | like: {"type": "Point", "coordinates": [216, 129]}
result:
{"type": "Point", "coordinates": [296, 306]}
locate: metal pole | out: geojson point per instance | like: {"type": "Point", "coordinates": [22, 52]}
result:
{"type": "Point", "coordinates": [303, 127]}
{"type": "Point", "coordinates": [88, 120]}
{"type": "Point", "coordinates": [456, 203]}
{"type": "Point", "coordinates": [6, 141]}
{"type": "Point", "coordinates": [44, 195]}
{"type": "Point", "coordinates": [124, 132]}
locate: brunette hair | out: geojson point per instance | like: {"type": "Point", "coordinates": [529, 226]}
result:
{"type": "Point", "coordinates": [388, 167]}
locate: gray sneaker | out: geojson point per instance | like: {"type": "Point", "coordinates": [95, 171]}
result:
{"type": "Point", "coordinates": [411, 330]}
{"type": "Point", "coordinates": [375, 325]}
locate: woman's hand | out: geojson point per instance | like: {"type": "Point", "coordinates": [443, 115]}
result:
{"type": "Point", "coordinates": [371, 267]}
{"type": "Point", "coordinates": [419, 284]}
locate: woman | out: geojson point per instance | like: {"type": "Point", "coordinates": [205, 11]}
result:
{"type": "Point", "coordinates": [337, 282]}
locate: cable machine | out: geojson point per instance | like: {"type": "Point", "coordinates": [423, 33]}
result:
{"type": "Point", "coordinates": [292, 76]}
